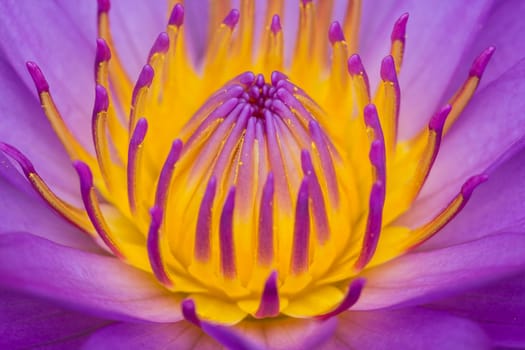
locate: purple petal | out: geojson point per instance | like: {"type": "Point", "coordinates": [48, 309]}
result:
{"type": "Point", "coordinates": [438, 35]}
{"type": "Point", "coordinates": [503, 29]}
{"type": "Point", "coordinates": [25, 211]}
{"type": "Point", "coordinates": [44, 32]}
{"type": "Point", "coordinates": [150, 336]}
{"type": "Point", "coordinates": [25, 126]}
{"type": "Point", "coordinates": [498, 205]}
{"type": "Point", "coordinates": [31, 323]}
{"type": "Point", "coordinates": [425, 276]}
{"type": "Point", "coordinates": [98, 285]}
{"type": "Point", "coordinates": [490, 131]}
{"type": "Point", "coordinates": [288, 333]}
{"type": "Point", "coordinates": [411, 328]}
{"type": "Point", "coordinates": [135, 24]}
{"type": "Point", "coordinates": [499, 309]}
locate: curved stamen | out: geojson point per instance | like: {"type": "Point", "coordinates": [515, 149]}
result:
{"type": "Point", "coordinates": [89, 197]}
{"type": "Point", "coordinates": [154, 247]}
{"type": "Point", "coordinates": [74, 215]}
{"type": "Point", "coordinates": [135, 170]}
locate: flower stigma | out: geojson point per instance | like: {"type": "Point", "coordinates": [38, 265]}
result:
{"type": "Point", "coordinates": [248, 186]}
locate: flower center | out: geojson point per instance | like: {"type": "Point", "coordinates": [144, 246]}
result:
{"type": "Point", "coordinates": [257, 198]}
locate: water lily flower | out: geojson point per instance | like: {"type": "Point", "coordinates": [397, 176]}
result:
{"type": "Point", "coordinates": [237, 178]}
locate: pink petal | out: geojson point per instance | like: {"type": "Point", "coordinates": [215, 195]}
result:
{"type": "Point", "coordinates": [411, 328]}
{"type": "Point", "coordinates": [98, 285]}
{"type": "Point", "coordinates": [31, 323]}
{"type": "Point", "coordinates": [420, 277]}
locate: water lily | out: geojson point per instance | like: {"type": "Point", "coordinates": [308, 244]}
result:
{"type": "Point", "coordinates": [240, 179]}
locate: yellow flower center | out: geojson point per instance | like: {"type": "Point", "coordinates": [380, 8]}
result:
{"type": "Point", "coordinates": [253, 187]}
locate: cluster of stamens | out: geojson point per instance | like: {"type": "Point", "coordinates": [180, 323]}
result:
{"type": "Point", "coordinates": [259, 196]}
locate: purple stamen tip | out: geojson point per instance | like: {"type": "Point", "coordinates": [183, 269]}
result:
{"type": "Point", "coordinates": [370, 114]}
{"type": "Point", "coordinates": [104, 5]}
{"type": "Point", "coordinates": [145, 79]}
{"type": "Point", "coordinates": [247, 78]}
{"type": "Point", "coordinates": [162, 43]}
{"type": "Point", "coordinates": [306, 2]}
{"type": "Point", "coordinates": [232, 18]}
{"type": "Point", "coordinates": [335, 33]}
{"type": "Point", "coordinates": [438, 120]}
{"type": "Point", "coordinates": [480, 63]}
{"type": "Point", "coordinates": [473, 182]}
{"type": "Point", "coordinates": [84, 175]}
{"type": "Point", "coordinates": [25, 164]}
{"type": "Point", "coordinates": [269, 305]}
{"type": "Point", "coordinates": [275, 26]}
{"type": "Point", "coordinates": [355, 66]}
{"type": "Point", "coordinates": [103, 52]}
{"type": "Point", "coordinates": [388, 69]}
{"type": "Point", "coordinates": [177, 16]}
{"type": "Point", "coordinates": [38, 77]}
{"type": "Point", "coordinates": [399, 31]}
{"type": "Point", "coordinates": [101, 99]}
{"type": "Point", "coordinates": [277, 77]}
{"type": "Point", "coordinates": [140, 132]}
{"type": "Point", "coordinates": [189, 312]}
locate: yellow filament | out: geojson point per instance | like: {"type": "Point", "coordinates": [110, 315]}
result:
{"type": "Point", "coordinates": [73, 148]}
{"type": "Point", "coordinates": [273, 52]}
{"type": "Point", "coordinates": [217, 53]}
{"type": "Point", "coordinates": [75, 215]}
{"type": "Point", "coordinates": [323, 14]}
{"type": "Point", "coordinates": [386, 102]}
{"type": "Point", "coordinates": [460, 100]}
{"type": "Point", "coordinates": [351, 24]}
{"type": "Point", "coordinates": [138, 108]}
{"type": "Point", "coordinates": [102, 150]}
{"type": "Point", "coordinates": [397, 51]}
{"type": "Point", "coordinates": [218, 9]}
{"type": "Point", "coordinates": [273, 7]}
{"type": "Point", "coordinates": [244, 46]}
{"type": "Point", "coordinates": [304, 41]}
{"type": "Point", "coordinates": [105, 234]}
{"type": "Point", "coordinates": [119, 77]}
{"type": "Point", "coordinates": [117, 132]}
{"type": "Point", "coordinates": [423, 168]}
